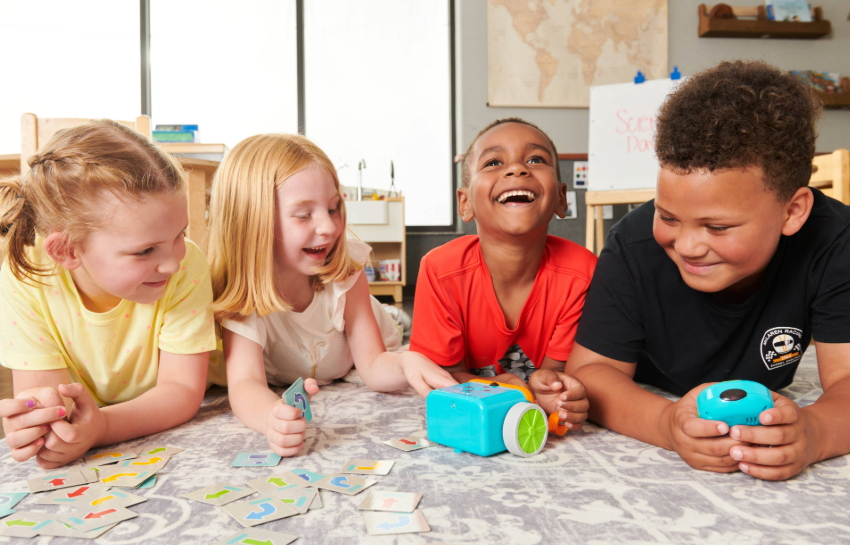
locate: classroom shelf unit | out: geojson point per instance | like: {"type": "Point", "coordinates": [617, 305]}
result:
{"type": "Point", "coordinates": [386, 234]}
{"type": "Point", "coordinates": [758, 25]}
{"type": "Point", "coordinates": [834, 101]}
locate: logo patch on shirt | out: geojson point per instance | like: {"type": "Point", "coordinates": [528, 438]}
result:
{"type": "Point", "coordinates": [781, 346]}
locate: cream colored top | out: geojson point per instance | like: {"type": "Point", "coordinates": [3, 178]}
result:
{"type": "Point", "coordinates": [313, 343]}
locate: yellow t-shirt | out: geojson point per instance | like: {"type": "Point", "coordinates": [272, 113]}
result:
{"type": "Point", "coordinates": [115, 354]}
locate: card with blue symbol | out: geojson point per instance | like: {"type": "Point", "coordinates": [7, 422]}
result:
{"type": "Point", "coordinates": [259, 511]}
{"type": "Point", "coordinates": [345, 484]}
{"type": "Point", "coordinates": [296, 396]}
{"type": "Point", "coordinates": [379, 523]}
{"type": "Point", "coordinates": [255, 459]}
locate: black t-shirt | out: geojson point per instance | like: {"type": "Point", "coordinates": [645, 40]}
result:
{"type": "Point", "coordinates": [640, 310]}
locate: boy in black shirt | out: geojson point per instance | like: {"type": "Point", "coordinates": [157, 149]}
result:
{"type": "Point", "coordinates": [730, 273]}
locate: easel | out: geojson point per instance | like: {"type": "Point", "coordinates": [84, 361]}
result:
{"type": "Point", "coordinates": [595, 200]}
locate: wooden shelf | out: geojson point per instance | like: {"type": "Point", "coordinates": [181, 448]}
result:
{"type": "Point", "coordinates": [834, 101]}
{"type": "Point", "coordinates": [761, 26]}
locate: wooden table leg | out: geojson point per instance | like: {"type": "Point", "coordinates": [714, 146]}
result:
{"type": "Point", "coordinates": [600, 230]}
{"type": "Point", "coordinates": [588, 235]}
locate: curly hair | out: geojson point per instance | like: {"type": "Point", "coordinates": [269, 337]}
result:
{"type": "Point", "coordinates": [466, 176]}
{"type": "Point", "coordinates": [741, 114]}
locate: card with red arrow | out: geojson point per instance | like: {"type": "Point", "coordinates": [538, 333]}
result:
{"type": "Point", "coordinates": [409, 443]}
{"type": "Point", "coordinates": [69, 477]}
{"type": "Point", "coordinates": [95, 517]}
{"type": "Point", "coordinates": [397, 502]}
{"type": "Point", "coordinates": [220, 493]}
{"type": "Point", "coordinates": [367, 467]}
{"type": "Point", "coordinates": [72, 495]}
{"type": "Point", "coordinates": [255, 536]}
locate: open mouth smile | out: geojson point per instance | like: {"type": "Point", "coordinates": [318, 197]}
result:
{"type": "Point", "coordinates": [316, 252]}
{"type": "Point", "coordinates": [516, 197]}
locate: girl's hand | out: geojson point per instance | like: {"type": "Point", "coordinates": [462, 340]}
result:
{"type": "Point", "coordinates": [423, 374]}
{"type": "Point", "coordinates": [784, 445]}
{"type": "Point", "coordinates": [557, 391]}
{"type": "Point", "coordinates": [285, 427]}
{"type": "Point", "coordinates": [68, 441]}
{"type": "Point", "coordinates": [27, 419]}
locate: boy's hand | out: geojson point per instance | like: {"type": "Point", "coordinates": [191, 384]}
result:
{"type": "Point", "coordinates": [783, 446]}
{"type": "Point", "coordinates": [699, 442]}
{"type": "Point", "coordinates": [557, 391]}
{"type": "Point", "coordinates": [423, 374]}
{"type": "Point", "coordinates": [285, 426]}
{"type": "Point", "coordinates": [69, 440]}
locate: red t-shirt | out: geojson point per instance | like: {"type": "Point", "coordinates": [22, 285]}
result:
{"type": "Point", "coordinates": [456, 315]}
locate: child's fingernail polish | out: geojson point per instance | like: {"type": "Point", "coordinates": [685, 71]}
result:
{"type": "Point", "coordinates": [744, 467]}
{"type": "Point", "coordinates": [736, 453]}
{"type": "Point", "coordinates": [30, 403]}
{"type": "Point", "coordinates": [61, 412]}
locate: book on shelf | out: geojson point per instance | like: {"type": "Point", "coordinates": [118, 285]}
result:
{"type": "Point", "coordinates": [825, 82]}
{"type": "Point", "coordinates": [175, 136]}
{"type": "Point", "coordinates": [789, 10]}
{"type": "Point", "coordinates": [176, 128]}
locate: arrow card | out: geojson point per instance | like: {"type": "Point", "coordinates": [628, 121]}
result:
{"type": "Point", "coordinates": [278, 481]}
{"type": "Point", "coordinates": [345, 484]}
{"type": "Point", "coordinates": [396, 502]}
{"type": "Point", "coordinates": [255, 536]}
{"type": "Point", "coordinates": [219, 493]}
{"type": "Point", "coordinates": [69, 477]}
{"type": "Point", "coordinates": [109, 455]}
{"type": "Point", "coordinates": [299, 498]}
{"type": "Point", "coordinates": [95, 517]}
{"type": "Point", "coordinates": [367, 467]}
{"type": "Point", "coordinates": [379, 524]}
{"type": "Point", "coordinates": [260, 511]}
{"type": "Point", "coordinates": [409, 443]}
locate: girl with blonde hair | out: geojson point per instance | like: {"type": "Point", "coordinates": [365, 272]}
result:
{"type": "Point", "coordinates": [104, 306]}
{"type": "Point", "coordinates": [290, 290]}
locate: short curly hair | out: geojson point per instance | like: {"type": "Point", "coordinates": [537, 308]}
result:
{"type": "Point", "coordinates": [466, 175]}
{"type": "Point", "coordinates": [741, 114]}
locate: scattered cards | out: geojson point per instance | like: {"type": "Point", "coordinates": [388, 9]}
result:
{"type": "Point", "coordinates": [149, 482]}
{"type": "Point", "coordinates": [396, 502]}
{"type": "Point", "coordinates": [145, 462]}
{"type": "Point", "coordinates": [265, 509]}
{"type": "Point", "coordinates": [278, 481]}
{"type": "Point", "coordinates": [70, 477]}
{"type": "Point", "coordinates": [308, 476]}
{"type": "Point", "coordinates": [124, 477]}
{"type": "Point", "coordinates": [367, 467]}
{"type": "Point", "coordinates": [219, 494]}
{"type": "Point", "coordinates": [253, 536]}
{"type": "Point", "coordinates": [296, 396]}
{"type": "Point", "coordinates": [409, 443]}
{"type": "Point", "coordinates": [57, 528]}
{"type": "Point", "coordinates": [378, 523]}
{"type": "Point", "coordinates": [24, 524]}
{"type": "Point", "coordinates": [72, 495]}
{"type": "Point", "coordinates": [344, 484]}
{"type": "Point", "coordinates": [255, 459]}
{"type": "Point", "coordinates": [107, 456]}
{"type": "Point", "coordinates": [11, 499]}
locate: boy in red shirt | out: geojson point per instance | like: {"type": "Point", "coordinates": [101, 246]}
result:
{"type": "Point", "coordinates": [505, 303]}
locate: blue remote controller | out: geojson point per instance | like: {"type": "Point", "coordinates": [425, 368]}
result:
{"type": "Point", "coordinates": [736, 402]}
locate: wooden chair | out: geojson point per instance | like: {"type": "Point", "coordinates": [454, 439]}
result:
{"type": "Point", "coordinates": [830, 174]}
{"type": "Point", "coordinates": [37, 131]}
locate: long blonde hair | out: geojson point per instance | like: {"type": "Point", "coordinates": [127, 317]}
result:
{"type": "Point", "coordinates": [67, 178]}
{"type": "Point", "coordinates": [241, 230]}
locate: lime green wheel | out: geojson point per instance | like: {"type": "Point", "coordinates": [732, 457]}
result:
{"type": "Point", "coordinates": [525, 430]}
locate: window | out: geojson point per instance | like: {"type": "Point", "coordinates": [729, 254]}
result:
{"type": "Point", "coordinates": [67, 59]}
{"type": "Point", "coordinates": [378, 88]}
{"type": "Point", "coordinates": [229, 67]}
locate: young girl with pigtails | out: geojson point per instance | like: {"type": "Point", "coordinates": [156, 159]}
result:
{"type": "Point", "coordinates": [290, 288]}
{"type": "Point", "coordinates": [104, 305]}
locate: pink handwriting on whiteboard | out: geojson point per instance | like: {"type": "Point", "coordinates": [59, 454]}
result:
{"type": "Point", "coordinates": [639, 131]}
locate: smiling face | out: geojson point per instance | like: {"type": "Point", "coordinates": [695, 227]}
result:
{"type": "Point", "coordinates": [513, 186]}
{"type": "Point", "coordinates": [308, 222]}
{"type": "Point", "coordinates": [134, 253]}
{"type": "Point", "coordinates": [720, 228]}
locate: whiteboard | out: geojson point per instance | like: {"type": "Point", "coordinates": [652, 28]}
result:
{"type": "Point", "coordinates": [621, 152]}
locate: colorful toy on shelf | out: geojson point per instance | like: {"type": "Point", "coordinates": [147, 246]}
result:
{"type": "Point", "coordinates": [736, 402]}
{"type": "Point", "coordinates": [485, 418]}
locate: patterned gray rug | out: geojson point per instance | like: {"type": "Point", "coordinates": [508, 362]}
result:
{"type": "Point", "coordinates": [591, 487]}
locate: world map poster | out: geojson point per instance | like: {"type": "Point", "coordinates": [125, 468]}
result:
{"type": "Point", "coordinates": [548, 53]}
